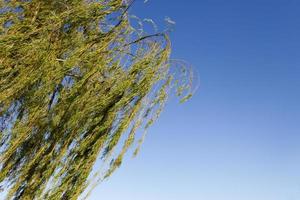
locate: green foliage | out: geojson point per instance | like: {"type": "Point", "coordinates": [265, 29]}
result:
{"type": "Point", "coordinates": [75, 77]}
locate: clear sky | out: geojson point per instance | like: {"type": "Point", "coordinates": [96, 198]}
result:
{"type": "Point", "coordinates": [239, 137]}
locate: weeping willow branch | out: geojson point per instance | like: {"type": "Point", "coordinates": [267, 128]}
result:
{"type": "Point", "coordinates": [75, 78]}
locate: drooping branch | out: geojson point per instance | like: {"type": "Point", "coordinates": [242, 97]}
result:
{"type": "Point", "coordinates": [71, 89]}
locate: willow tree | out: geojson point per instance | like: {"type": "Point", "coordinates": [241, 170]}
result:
{"type": "Point", "coordinates": [77, 81]}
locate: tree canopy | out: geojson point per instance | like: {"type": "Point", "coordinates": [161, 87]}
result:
{"type": "Point", "coordinates": [75, 78]}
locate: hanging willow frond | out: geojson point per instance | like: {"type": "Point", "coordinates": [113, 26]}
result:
{"type": "Point", "coordinates": [75, 77]}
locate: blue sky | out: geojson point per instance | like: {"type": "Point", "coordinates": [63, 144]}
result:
{"type": "Point", "coordinates": [238, 137]}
